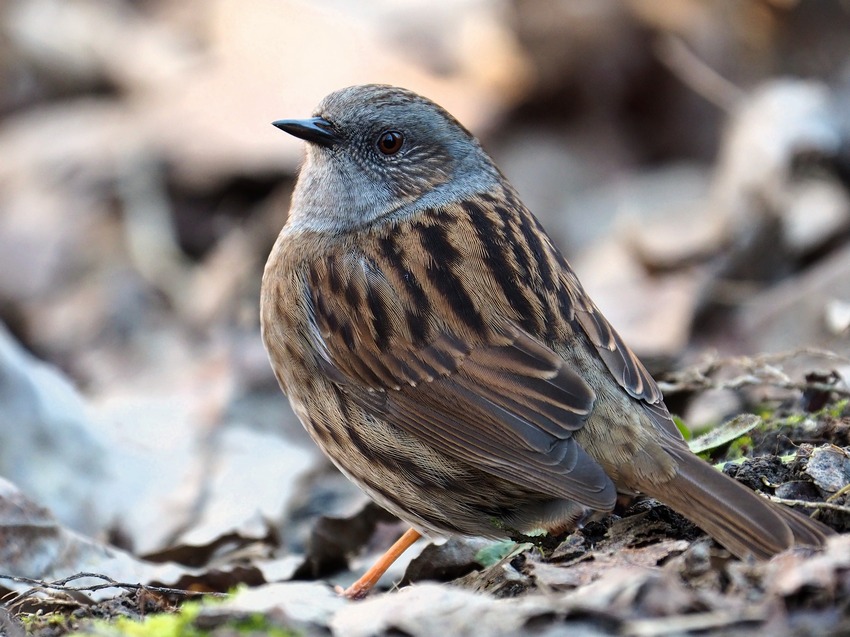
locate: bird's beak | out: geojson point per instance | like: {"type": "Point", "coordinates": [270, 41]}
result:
{"type": "Point", "coordinates": [315, 130]}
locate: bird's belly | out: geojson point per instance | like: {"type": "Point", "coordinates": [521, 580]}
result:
{"type": "Point", "coordinates": [435, 494]}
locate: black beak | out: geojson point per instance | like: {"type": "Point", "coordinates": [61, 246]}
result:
{"type": "Point", "coordinates": [315, 130]}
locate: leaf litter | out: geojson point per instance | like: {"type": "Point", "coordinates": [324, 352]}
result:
{"type": "Point", "coordinates": [142, 187]}
{"type": "Point", "coordinates": [643, 571]}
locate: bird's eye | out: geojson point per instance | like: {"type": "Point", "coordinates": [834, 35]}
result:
{"type": "Point", "coordinates": [389, 142]}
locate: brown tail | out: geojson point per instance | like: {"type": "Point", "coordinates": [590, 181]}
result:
{"type": "Point", "coordinates": [742, 521]}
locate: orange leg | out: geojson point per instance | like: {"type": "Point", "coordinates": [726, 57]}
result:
{"type": "Point", "coordinates": [361, 588]}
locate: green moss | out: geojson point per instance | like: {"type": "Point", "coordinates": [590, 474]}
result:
{"type": "Point", "coordinates": [767, 413]}
{"type": "Point", "coordinates": [739, 447]}
{"type": "Point", "coordinates": [794, 419]}
{"type": "Point", "coordinates": [33, 622]}
{"type": "Point", "coordinates": [179, 624]}
{"type": "Point", "coordinates": [161, 624]}
{"type": "Point", "coordinates": [837, 409]}
{"type": "Point", "coordinates": [41, 619]}
{"type": "Point", "coordinates": [737, 461]}
{"type": "Point", "coordinates": [786, 459]}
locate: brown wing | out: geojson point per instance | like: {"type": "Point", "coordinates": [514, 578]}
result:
{"type": "Point", "coordinates": [496, 399]}
{"type": "Point", "coordinates": [624, 366]}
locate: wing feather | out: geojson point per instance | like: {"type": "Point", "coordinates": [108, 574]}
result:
{"type": "Point", "coordinates": [499, 400]}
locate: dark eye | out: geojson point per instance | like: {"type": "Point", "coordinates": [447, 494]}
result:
{"type": "Point", "coordinates": [389, 142]}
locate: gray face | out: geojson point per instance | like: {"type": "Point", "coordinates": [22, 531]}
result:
{"type": "Point", "coordinates": [381, 153]}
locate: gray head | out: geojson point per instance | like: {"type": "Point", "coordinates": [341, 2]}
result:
{"type": "Point", "coordinates": [377, 153]}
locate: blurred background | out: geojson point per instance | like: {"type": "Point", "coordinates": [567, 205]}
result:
{"type": "Point", "coordinates": [690, 157]}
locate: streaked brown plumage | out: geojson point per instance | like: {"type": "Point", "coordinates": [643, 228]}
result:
{"type": "Point", "coordinates": [440, 350]}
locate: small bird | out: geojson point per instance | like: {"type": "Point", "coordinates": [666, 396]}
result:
{"type": "Point", "coordinates": [439, 349]}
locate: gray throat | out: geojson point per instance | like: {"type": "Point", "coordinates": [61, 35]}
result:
{"type": "Point", "coordinates": [335, 203]}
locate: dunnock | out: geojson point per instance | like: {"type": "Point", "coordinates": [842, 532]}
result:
{"type": "Point", "coordinates": [440, 350]}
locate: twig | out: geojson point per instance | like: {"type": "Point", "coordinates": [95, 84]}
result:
{"type": "Point", "coordinates": [841, 492]}
{"type": "Point", "coordinates": [62, 586]}
{"type": "Point", "coordinates": [811, 505]}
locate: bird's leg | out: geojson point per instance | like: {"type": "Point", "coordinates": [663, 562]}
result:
{"type": "Point", "coordinates": [361, 588]}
